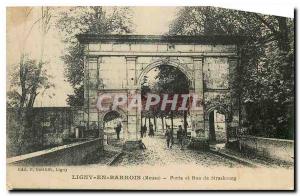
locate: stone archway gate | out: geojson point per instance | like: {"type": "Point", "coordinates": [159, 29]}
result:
{"type": "Point", "coordinates": [117, 63]}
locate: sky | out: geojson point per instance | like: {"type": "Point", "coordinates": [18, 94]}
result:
{"type": "Point", "coordinates": [147, 20]}
{"type": "Point", "coordinates": [153, 20]}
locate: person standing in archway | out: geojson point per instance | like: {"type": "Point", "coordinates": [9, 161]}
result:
{"type": "Point", "coordinates": [118, 129]}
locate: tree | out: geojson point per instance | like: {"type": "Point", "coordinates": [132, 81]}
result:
{"type": "Point", "coordinates": [265, 78]}
{"type": "Point", "coordinates": [93, 20]}
{"type": "Point", "coordinates": [171, 81]}
{"type": "Point", "coordinates": [29, 78]}
{"type": "Point", "coordinates": [32, 80]}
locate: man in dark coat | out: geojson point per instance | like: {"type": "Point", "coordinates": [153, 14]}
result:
{"type": "Point", "coordinates": [118, 130]}
{"type": "Point", "coordinates": [144, 130]}
{"type": "Point", "coordinates": [151, 130]}
{"type": "Point", "coordinates": [169, 136]}
{"type": "Point", "coordinates": [180, 136]}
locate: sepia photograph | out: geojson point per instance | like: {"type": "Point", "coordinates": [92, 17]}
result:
{"type": "Point", "coordinates": [149, 98]}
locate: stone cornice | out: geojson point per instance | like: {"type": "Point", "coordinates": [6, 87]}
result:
{"type": "Point", "coordinates": [183, 39]}
{"type": "Point", "coordinates": [164, 54]}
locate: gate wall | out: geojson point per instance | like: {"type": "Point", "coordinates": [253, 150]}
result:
{"type": "Point", "coordinates": [118, 62]}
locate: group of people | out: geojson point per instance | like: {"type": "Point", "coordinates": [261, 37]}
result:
{"type": "Point", "coordinates": [170, 136]}
{"type": "Point", "coordinates": [144, 131]}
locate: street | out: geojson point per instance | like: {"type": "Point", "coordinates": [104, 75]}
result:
{"type": "Point", "coordinates": [157, 153]}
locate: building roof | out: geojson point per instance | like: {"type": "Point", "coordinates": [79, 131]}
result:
{"type": "Point", "coordinates": [183, 39]}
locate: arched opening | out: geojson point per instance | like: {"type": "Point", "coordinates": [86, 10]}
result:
{"type": "Point", "coordinates": [217, 127]}
{"type": "Point", "coordinates": [183, 69]}
{"type": "Point", "coordinates": [165, 78]}
{"type": "Point", "coordinates": [114, 125]}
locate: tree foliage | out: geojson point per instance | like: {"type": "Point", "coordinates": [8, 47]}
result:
{"type": "Point", "coordinates": [169, 80]}
{"type": "Point", "coordinates": [29, 77]}
{"type": "Point", "coordinates": [94, 20]}
{"type": "Point", "coordinates": [264, 81]}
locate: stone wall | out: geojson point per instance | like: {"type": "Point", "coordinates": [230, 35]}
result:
{"type": "Point", "coordinates": [277, 149]}
{"type": "Point", "coordinates": [71, 154]}
{"type": "Point", "coordinates": [48, 127]}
